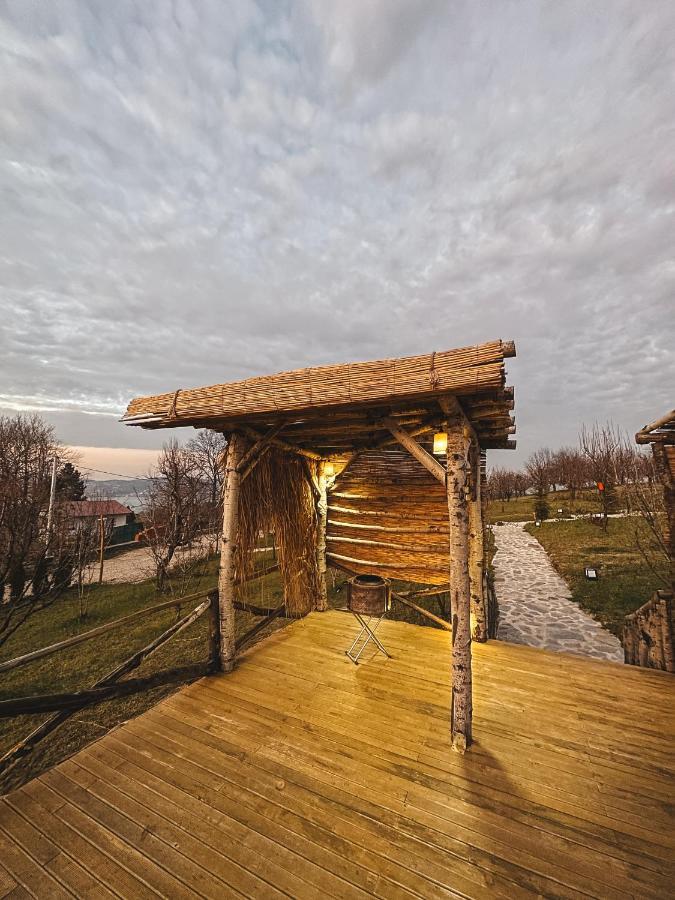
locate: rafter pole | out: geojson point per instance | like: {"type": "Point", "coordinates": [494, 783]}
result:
{"type": "Point", "coordinates": [426, 459]}
{"type": "Point", "coordinates": [282, 445]}
{"type": "Point", "coordinates": [258, 446]}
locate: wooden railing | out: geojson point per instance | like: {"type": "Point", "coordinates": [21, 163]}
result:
{"type": "Point", "coordinates": [111, 685]}
{"type": "Point", "coordinates": [648, 633]}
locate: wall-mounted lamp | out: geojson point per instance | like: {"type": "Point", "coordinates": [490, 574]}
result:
{"type": "Point", "coordinates": [440, 443]}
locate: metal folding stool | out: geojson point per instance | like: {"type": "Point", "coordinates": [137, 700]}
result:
{"type": "Point", "coordinates": [365, 627]}
{"type": "Point", "coordinates": [368, 600]}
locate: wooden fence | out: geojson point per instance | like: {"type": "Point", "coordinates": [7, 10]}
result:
{"type": "Point", "coordinates": [647, 635]}
{"type": "Point", "coordinates": [63, 705]}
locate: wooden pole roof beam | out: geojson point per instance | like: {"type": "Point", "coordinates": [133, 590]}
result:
{"type": "Point", "coordinates": [662, 429]}
{"type": "Point", "coordinates": [421, 455]}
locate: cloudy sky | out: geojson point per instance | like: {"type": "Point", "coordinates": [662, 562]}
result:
{"type": "Point", "coordinates": [198, 191]}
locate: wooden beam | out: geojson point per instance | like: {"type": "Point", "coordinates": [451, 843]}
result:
{"type": "Point", "coordinates": [271, 616]}
{"type": "Point", "coordinates": [226, 582]}
{"type": "Point", "coordinates": [255, 449]}
{"type": "Point", "coordinates": [282, 445]}
{"type": "Point", "coordinates": [353, 454]}
{"type": "Point", "coordinates": [254, 462]}
{"type": "Point", "coordinates": [460, 585]}
{"type": "Point", "coordinates": [18, 661]}
{"type": "Point", "coordinates": [426, 459]}
{"type": "Point", "coordinates": [422, 611]}
{"type": "Point", "coordinates": [322, 517]}
{"type": "Point", "coordinates": [643, 435]}
{"type": "Point", "coordinates": [14, 754]}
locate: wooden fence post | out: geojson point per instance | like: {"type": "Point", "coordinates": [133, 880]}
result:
{"type": "Point", "coordinates": [226, 586]}
{"type": "Point", "coordinates": [322, 510]}
{"type": "Point", "coordinates": [460, 588]}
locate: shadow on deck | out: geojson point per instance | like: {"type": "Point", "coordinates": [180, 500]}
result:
{"type": "Point", "coordinates": [303, 775]}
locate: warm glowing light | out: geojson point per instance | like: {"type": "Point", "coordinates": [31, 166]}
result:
{"type": "Point", "coordinates": [329, 469]}
{"type": "Point", "coordinates": [440, 442]}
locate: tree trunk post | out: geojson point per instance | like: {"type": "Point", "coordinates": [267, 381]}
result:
{"type": "Point", "coordinates": [479, 631]}
{"type": "Point", "coordinates": [231, 485]}
{"type": "Point", "coordinates": [460, 585]}
{"type": "Point", "coordinates": [322, 511]}
{"type": "Point", "coordinates": [214, 633]}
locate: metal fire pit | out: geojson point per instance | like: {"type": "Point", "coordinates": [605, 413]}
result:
{"type": "Point", "coordinates": [367, 595]}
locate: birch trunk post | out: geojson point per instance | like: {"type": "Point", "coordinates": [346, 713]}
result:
{"type": "Point", "coordinates": [476, 551]}
{"type": "Point", "coordinates": [460, 588]}
{"type": "Point", "coordinates": [322, 509]}
{"type": "Point", "coordinates": [226, 585]}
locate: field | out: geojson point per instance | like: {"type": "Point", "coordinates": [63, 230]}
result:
{"type": "Point", "coordinates": [521, 509]}
{"type": "Point", "coordinates": [80, 666]}
{"type": "Point", "coordinates": [626, 580]}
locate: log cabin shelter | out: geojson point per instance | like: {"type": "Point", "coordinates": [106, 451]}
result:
{"type": "Point", "coordinates": [371, 467]}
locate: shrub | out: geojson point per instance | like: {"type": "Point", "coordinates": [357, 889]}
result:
{"type": "Point", "coordinates": [541, 509]}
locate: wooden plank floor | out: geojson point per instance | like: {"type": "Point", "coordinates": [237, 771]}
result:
{"type": "Point", "coordinates": [303, 775]}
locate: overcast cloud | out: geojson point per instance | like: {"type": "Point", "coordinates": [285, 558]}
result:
{"type": "Point", "coordinates": [201, 191]}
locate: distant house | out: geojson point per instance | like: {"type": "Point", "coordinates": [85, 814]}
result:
{"type": "Point", "coordinates": [114, 513]}
{"type": "Point", "coordinates": [119, 521]}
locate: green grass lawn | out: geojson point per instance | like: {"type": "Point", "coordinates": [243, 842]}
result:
{"type": "Point", "coordinates": [80, 666]}
{"type": "Point", "coordinates": [521, 509]}
{"type": "Point", "coordinates": [625, 580]}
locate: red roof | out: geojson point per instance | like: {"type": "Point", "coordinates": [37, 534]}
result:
{"type": "Point", "coordinates": [80, 509]}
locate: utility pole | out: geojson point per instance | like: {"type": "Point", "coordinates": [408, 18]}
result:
{"type": "Point", "coordinates": [52, 497]}
{"type": "Point", "coordinates": [101, 548]}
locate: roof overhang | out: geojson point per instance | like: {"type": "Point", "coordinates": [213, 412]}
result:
{"type": "Point", "coordinates": [330, 409]}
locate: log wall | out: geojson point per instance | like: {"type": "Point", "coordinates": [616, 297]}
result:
{"type": "Point", "coordinates": [388, 515]}
{"type": "Point", "coordinates": [648, 634]}
{"type": "Point", "coordinates": [664, 456]}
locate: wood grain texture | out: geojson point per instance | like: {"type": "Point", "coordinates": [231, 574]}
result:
{"type": "Point", "coordinates": [300, 774]}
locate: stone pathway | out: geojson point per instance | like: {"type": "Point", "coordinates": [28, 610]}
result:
{"type": "Point", "coordinates": [535, 604]}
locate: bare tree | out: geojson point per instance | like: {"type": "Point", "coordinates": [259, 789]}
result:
{"type": "Point", "coordinates": [601, 445]}
{"type": "Point", "coordinates": [647, 497]}
{"type": "Point", "coordinates": [570, 470]}
{"type": "Point", "coordinates": [36, 556]}
{"type": "Point", "coordinates": [540, 470]}
{"type": "Point", "coordinates": [176, 508]}
{"type": "Point", "coordinates": [207, 450]}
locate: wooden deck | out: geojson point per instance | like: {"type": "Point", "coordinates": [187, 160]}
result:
{"type": "Point", "coordinates": [303, 775]}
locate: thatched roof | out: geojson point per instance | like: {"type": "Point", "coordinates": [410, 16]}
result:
{"type": "Point", "coordinates": [332, 408]}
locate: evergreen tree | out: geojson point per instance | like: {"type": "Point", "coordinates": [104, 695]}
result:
{"type": "Point", "coordinates": [70, 485]}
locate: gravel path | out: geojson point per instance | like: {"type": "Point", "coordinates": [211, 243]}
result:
{"type": "Point", "coordinates": [133, 566]}
{"type": "Point", "coordinates": [535, 604]}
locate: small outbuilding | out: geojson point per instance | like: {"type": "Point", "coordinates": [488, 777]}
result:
{"type": "Point", "coordinates": [372, 467]}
